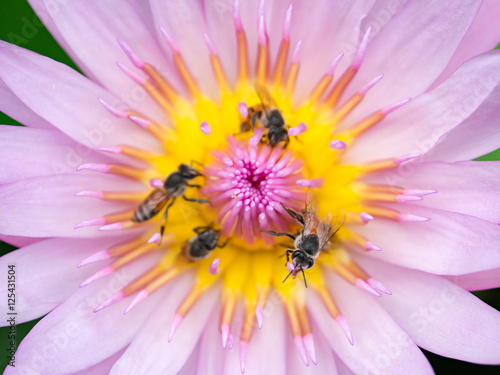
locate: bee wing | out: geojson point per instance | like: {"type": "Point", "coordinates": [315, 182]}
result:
{"type": "Point", "coordinates": [309, 213]}
{"type": "Point", "coordinates": [265, 96]}
{"type": "Point", "coordinates": [328, 227]}
{"type": "Point", "coordinates": [157, 199]}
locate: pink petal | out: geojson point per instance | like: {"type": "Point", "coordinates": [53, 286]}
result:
{"type": "Point", "coordinates": [38, 206]}
{"type": "Point", "coordinates": [456, 243]}
{"type": "Point", "coordinates": [326, 359]}
{"type": "Point", "coordinates": [429, 116]}
{"type": "Point", "coordinates": [479, 132]}
{"type": "Point", "coordinates": [267, 347]}
{"type": "Point", "coordinates": [68, 100]}
{"type": "Point", "coordinates": [46, 273]}
{"type": "Point", "coordinates": [378, 341]}
{"type": "Point", "coordinates": [18, 241]}
{"type": "Point", "coordinates": [12, 106]}
{"type": "Point", "coordinates": [43, 14]}
{"type": "Point", "coordinates": [482, 36]}
{"type": "Point", "coordinates": [185, 24]}
{"type": "Point", "coordinates": [102, 367]}
{"type": "Point", "coordinates": [71, 327]}
{"type": "Point", "coordinates": [92, 29]}
{"type": "Point", "coordinates": [331, 26]}
{"type": "Point", "coordinates": [439, 316]}
{"type": "Point", "coordinates": [455, 193]}
{"type": "Point", "coordinates": [481, 280]}
{"type": "Point", "coordinates": [412, 49]}
{"type": "Point", "coordinates": [28, 152]}
{"type": "Point", "coordinates": [211, 357]}
{"type": "Point", "coordinates": [151, 343]}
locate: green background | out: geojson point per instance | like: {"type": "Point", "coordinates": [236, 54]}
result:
{"type": "Point", "coordinates": [15, 15]}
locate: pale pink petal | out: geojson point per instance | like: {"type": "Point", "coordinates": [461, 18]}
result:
{"type": "Point", "coordinates": [342, 368]}
{"type": "Point", "coordinates": [449, 244]}
{"type": "Point", "coordinates": [38, 206]}
{"type": "Point", "coordinates": [143, 10]}
{"type": "Point", "coordinates": [158, 356]}
{"type": "Point", "coordinates": [28, 152]}
{"type": "Point", "coordinates": [18, 241]}
{"type": "Point", "coordinates": [92, 28]}
{"type": "Point", "coordinates": [68, 100]}
{"type": "Point", "coordinates": [267, 347]}
{"type": "Point", "coordinates": [332, 27]}
{"type": "Point", "coordinates": [46, 273]}
{"type": "Point", "coordinates": [426, 118]}
{"type": "Point", "coordinates": [43, 14]}
{"type": "Point", "coordinates": [412, 49]}
{"type": "Point", "coordinates": [191, 364]}
{"type": "Point", "coordinates": [488, 279]}
{"type": "Point", "coordinates": [185, 24]}
{"type": "Point", "coordinates": [380, 345]}
{"type": "Point", "coordinates": [479, 134]}
{"type": "Point", "coordinates": [220, 29]}
{"type": "Point", "coordinates": [381, 13]}
{"type": "Point", "coordinates": [325, 357]}
{"type": "Point", "coordinates": [12, 106]}
{"type": "Point", "coordinates": [482, 36]}
{"type": "Point", "coordinates": [438, 315]}
{"type": "Point", "coordinates": [211, 356]}
{"type": "Point", "coordinates": [59, 343]}
{"type": "Point", "coordinates": [455, 192]}
{"type": "Point", "coordinates": [102, 367]}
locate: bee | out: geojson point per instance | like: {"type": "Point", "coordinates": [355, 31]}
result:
{"type": "Point", "coordinates": [269, 117]}
{"type": "Point", "coordinates": [199, 246]}
{"type": "Point", "coordinates": [175, 185]}
{"type": "Point", "coordinates": [310, 241]}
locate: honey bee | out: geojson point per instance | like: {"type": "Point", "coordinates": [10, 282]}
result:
{"type": "Point", "coordinates": [199, 246]}
{"type": "Point", "coordinates": [311, 240]}
{"type": "Point", "coordinates": [269, 117]}
{"type": "Point", "coordinates": [175, 185]}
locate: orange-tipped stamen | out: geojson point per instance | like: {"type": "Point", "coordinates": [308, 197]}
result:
{"type": "Point", "coordinates": [143, 280]}
{"type": "Point", "coordinates": [262, 66]}
{"type": "Point", "coordinates": [164, 86]}
{"type": "Point", "coordinates": [279, 67]}
{"type": "Point", "coordinates": [325, 81]}
{"type": "Point", "coordinates": [219, 73]}
{"type": "Point", "coordinates": [293, 72]}
{"type": "Point", "coordinates": [353, 102]}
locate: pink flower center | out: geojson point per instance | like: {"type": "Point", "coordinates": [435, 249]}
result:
{"type": "Point", "coordinates": [248, 184]}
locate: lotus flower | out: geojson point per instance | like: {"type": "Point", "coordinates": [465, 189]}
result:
{"type": "Point", "coordinates": [414, 222]}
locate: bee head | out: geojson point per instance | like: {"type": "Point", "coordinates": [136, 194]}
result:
{"type": "Point", "coordinates": [188, 172]}
{"type": "Point", "coordinates": [277, 135]}
{"type": "Point", "coordinates": [301, 261]}
{"type": "Point", "coordinates": [208, 238]}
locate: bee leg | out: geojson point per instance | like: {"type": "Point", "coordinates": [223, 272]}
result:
{"type": "Point", "coordinates": [201, 229]}
{"type": "Point", "coordinates": [164, 220]}
{"type": "Point", "coordinates": [197, 200]}
{"type": "Point", "coordinates": [288, 252]}
{"type": "Point", "coordinates": [285, 145]}
{"type": "Point", "coordinates": [294, 215]}
{"type": "Point", "coordinates": [223, 244]}
{"type": "Point", "coordinates": [273, 233]}
{"type": "Point", "coordinates": [194, 186]}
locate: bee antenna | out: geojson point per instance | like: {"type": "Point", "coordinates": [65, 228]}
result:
{"type": "Point", "coordinates": [289, 274]}
{"type": "Point", "coordinates": [196, 162]}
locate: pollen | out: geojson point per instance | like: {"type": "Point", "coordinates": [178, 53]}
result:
{"type": "Point", "coordinates": [256, 154]}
